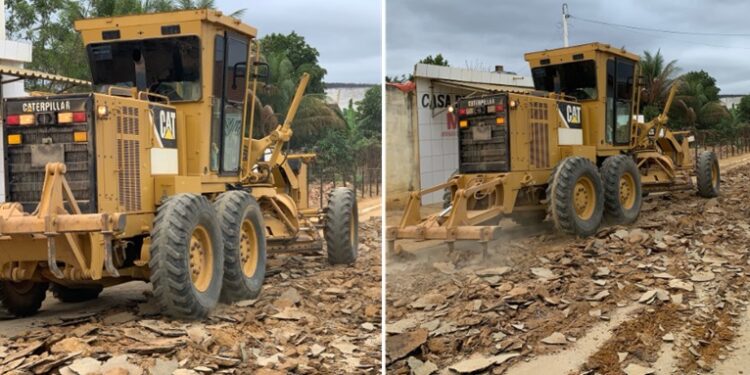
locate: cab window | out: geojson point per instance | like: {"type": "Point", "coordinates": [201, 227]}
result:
{"type": "Point", "coordinates": [166, 66]}
{"type": "Point", "coordinates": [576, 79]}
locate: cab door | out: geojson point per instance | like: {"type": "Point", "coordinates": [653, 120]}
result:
{"type": "Point", "coordinates": [619, 107]}
{"type": "Point", "coordinates": [228, 101]}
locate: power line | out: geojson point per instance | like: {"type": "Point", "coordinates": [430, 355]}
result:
{"type": "Point", "coordinates": [657, 30]}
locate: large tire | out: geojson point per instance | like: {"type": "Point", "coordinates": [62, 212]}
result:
{"type": "Point", "coordinates": [623, 193]}
{"type": "Point", "coordinates": [187, 257]}
{"type": "Point", "coordinates": [342, 227]}
{"type": "Point", "coordinates": [242, 227]}
{"type": "Point", "coordinates": [72, 295]}
{"type": "Point", "coordinates": [22, 298]}
{"type": "Point", "coordinates": [575, 196]}
{"type": "Point", "coordinates": [708, 174]}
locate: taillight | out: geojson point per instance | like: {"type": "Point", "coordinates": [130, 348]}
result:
{"type": "Point", "coordinates": [462, 111]}
{"type": "Point", "coordinates": [26, 119]}
{"type": "Point", "coordinates": [13, 120]}
{"type": "Point", "coordinates": [499, 108]}
{"type": "Point", "coordinates": [64, 117]}
{"type": "Point", "coordinates": [79, 116]}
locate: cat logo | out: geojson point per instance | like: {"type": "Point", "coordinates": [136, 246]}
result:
{"type": "Point", "coordinates": [570, 114]}
{"type": "Point", "coordinates": [165, 126]}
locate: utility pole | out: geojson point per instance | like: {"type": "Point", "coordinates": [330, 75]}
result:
{"type": "Point", "coordinates": [565, 17]}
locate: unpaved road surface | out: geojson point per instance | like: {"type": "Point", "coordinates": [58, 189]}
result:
{"type": "Point", "coordinates": [667, 294]}
{"type": "Point", "coordinates": [311, 318]}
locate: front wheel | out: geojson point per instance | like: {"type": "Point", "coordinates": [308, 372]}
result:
{"type": "Point", "coordinates": [241, 222]}
{"type": "Point", "coordinates": [623, 194]}
{"type": "Point", "coordinates": [342, 226]}
{"type": "Point", "coordinates": [22, 298]}
{"type": "Point", "coordinates": [187, 257]}
{"type": "Point", "coordinates": [708, 174]}
{"type": "Point", "coordinates": [575, 197]}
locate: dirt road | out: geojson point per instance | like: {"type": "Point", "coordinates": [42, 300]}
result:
{"type": "Point", "coordinates": [311, 318]}
{"type": "Point", "coordinates": [665, 295]}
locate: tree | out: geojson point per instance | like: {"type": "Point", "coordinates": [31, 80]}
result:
{"type": "Point", "coordinates": [707, 83]}
{"type": "Point", "coordinates": [369, 113]}
{"type": "Point", "coordinates": [302, 56]}
{"type": "Point", "coordinates": [697, 104]}
{"type": "Point", "coordinates": [658, 77]}
{"type": "Point", "coordinates": [313, 115]}
{"type": "Point", "coordinates": [743, 109]}
{"type": "Point", "coordinates": [437, 60]}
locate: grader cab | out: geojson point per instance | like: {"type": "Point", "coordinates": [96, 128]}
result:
{"type": "Point", "coordinates": [574, 151]}
{"type": "Point", "coordinates": [156, 174]}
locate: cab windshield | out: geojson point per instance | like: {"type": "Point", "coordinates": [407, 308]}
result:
{"type": "Point", "coordinates": [576, 79]}
{"type": "Point", "coordinates": [165, 66]}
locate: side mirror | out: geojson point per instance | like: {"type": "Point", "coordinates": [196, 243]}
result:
{"type": "Point", "coordinates": [262, 74]}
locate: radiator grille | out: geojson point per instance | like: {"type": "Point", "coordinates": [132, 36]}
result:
{"type": "Point", "coordinates": [539, 145]}
{"type": "Point", "coordinates": [129, 184]}
{"type": "Point", "coordinates": [127, 123]}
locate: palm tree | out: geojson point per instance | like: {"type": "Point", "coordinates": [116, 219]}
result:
{"type": "Point", "coordinates": [658, 77]}
{"type": "Point", "coordinates": [314, 114]}
{"type": "Point", "coordinates": [693, 109]}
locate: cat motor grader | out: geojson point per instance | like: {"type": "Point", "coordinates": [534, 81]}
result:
{"type": "Point", "coordinates": [572, 150]}
{"type": "Point", "coordinates": [158, 174]}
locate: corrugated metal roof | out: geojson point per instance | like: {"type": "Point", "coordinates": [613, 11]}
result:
{"type": "Point", "coordinates": [34, 74]}
{"type": "Point", "coordinates": [485, 87]}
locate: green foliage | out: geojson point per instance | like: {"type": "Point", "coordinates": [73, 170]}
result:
{"type": "Point", "coordinates": [707, 84]}
{"type": "Point", "coordinates": [697, 103]}
{"type": "Point", "coordinates": [369, 113]}
{"type": "Point", "coordinates": [743, 110]}
{"type": "Point", "coordinates": [658, 77]}
{"type": "Point", "coordinates": [301, 55]}
{"type": "Point", "coordinates": [437, 60]}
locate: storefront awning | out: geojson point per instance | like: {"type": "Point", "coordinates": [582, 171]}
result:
{"type": "Point", "coordinates": [19, 73]}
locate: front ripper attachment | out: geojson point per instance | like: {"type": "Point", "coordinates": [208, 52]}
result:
{"type": "Point", "coordinates": [51, 234]}
{"type": "Point", "coordinates": [475, 202]}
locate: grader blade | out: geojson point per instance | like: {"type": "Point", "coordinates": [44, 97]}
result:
{"type": "Point", "coordinates": [47, 223]}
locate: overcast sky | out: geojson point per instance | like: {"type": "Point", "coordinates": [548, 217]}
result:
{"type": "Point", "coordinates": [485, 33]}
{"type": "Point", "coordinates": [346, 33]}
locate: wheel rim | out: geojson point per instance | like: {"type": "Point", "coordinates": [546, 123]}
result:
{"type": "Point", "coordinates": [584, 198]}
{"type": "Point", "coordinates": [201, 258]}
{"type": "Point", "coordinates": [627, 191]}
{"type": "Point", "coordinates": [715, 174]}
{"type": "Point", "coordinates": [248, 249]}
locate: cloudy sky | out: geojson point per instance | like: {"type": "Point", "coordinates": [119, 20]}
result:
{"type": "Point", "coordinates": [485, 33]}
{"type": "Point", "coordinates": [346, 33]}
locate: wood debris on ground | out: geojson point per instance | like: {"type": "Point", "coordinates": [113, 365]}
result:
{"type": "Point", "coordinates": [311, 318]}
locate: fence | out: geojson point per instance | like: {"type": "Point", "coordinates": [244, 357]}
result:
{"type": "Point", "coordinates": [364, 176]}
{"type": "Point", "coordinates": [722, 146]}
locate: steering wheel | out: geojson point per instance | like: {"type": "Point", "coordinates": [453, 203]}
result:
{"type": "Point", "coordinates": [166, 90]}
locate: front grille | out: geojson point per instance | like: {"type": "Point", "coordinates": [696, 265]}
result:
{"type": "Point", "coordinates": [24, 182]}
{"type": "Point", "coordinates": [483, 155]}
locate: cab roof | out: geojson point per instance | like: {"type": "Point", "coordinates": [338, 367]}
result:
{"type": "Point", "coordinates": [581, 48]}
{"type": "Point", "coordinates": [148, 21]}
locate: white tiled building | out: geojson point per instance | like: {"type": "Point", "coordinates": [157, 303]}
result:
{"type": "Point", "coordinates": [13, 54]}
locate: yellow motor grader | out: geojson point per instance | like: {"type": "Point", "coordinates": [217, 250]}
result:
{"type": "Point", "coordinates": [572, 150]}
{"type": "Point", "coordinates": [155, 175]}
